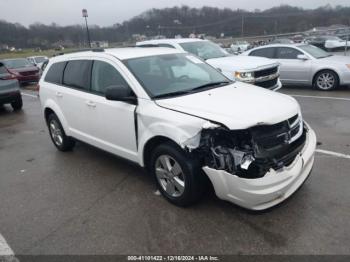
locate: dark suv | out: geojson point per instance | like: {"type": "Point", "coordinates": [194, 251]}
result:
{"type": "Point", "coordinates": [9, 89]}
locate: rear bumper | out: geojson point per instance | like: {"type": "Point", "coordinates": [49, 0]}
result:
{"type": "Point", "coordinates": [28, 79]}
{"type": "Point", "coordinates": [273, 188]}
{"type": "Point", "coordinates": [9, 97]}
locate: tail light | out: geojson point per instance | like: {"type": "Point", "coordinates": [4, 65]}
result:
{"type": "Point", "coordinates": [8, 77]}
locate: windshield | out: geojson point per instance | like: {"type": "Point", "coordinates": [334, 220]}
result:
{"type": "Point", "coordinates": [40, 59]}
{"type": "Point", "coordinates": [17, 63]}
{"type": "Point", "coordinates": [175, 74]}
{"type": "Point", "coordinates": [315, 51]}
{"type": "Point", "coordinates": [204, 49]}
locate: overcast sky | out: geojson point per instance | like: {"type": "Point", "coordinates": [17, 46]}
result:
{"type": "Point", "coordinates": [109, 12]}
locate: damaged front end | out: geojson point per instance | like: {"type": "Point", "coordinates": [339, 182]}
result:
{"type": "Point", "coordinates": [253, 152]}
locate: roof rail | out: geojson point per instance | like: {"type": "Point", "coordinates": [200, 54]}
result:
{"type": "Point", "coordinates": [148, 45]}
{"type": "Point", "coordinates": [81, 50]}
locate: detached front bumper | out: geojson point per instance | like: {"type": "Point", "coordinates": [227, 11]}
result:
{"type": "Point", "coordinates": [273, 188]}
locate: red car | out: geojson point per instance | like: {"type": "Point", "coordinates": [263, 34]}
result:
{"type": "Point", "coordinates": [22, 69]}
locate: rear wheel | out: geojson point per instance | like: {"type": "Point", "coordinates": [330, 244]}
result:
{"type": "Point", "coordinates": [57, 134]}
{"type": "Point", "coordinates": [326, 80]}
{"type": "Point", "coordinates": [178, 176]}
{"type": "Point", "coordinates": [17, 104]}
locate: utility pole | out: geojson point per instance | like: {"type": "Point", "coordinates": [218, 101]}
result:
{"type": "Point", "coordinates": [85, 15]}
{"type": "Point", "coordinates": [242, 29]}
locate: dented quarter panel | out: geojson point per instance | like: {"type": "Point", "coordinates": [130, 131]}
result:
{"type": "Point", "coordinates": [154, 121]}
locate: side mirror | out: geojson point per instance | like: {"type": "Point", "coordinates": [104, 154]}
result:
{"type": "Point", "coordinates": [120, 93]}
{"type": "Point", "coordinates": [302, 57]}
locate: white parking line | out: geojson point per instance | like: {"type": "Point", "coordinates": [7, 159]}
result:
{"type": "Point", "coordinates": [5, 249]}
{"type": "Point", "coordinates": [331, 153]}
{"type": "Point", "coordinates": [322, 97]}
{"type": "Point", "coordinates": [25, 94]}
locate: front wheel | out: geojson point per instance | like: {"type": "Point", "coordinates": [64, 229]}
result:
{"type": "Point", "coordinates": [178, 176]}
{"type": "Point", "coordinates": [326, 80]}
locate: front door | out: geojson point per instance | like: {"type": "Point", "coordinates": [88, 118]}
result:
{"type": "Point", "coordinates": [293, 70]}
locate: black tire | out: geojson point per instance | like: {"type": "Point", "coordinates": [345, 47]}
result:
{"type": "Point", "coordinates": [326, 86]}
{"type": "Point", "coordinates": [192, 175]}
{"type": "Point", "coordinates": [17, 104]}
{"type": "Point", "coordinates": [65, 143]}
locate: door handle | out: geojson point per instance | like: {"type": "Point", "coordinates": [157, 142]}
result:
{"type": "Point", "coordinates": [59, 94]}
{"type": "Point", "coordinates": [90, 104]}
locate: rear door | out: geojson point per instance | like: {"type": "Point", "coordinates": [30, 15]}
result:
{"type": "Point", "coordinates": [73, 94]}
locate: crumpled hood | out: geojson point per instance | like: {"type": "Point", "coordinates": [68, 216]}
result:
{"type": "Point", "coordinates": [237, 106]}
{"type": "Point", "coordinates": [240, 62]}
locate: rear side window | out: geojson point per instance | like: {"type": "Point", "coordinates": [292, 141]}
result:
{"type": "Point", "coordinates": [77, 74]}
{"type": "Point", "coordinates": [264, 52]}
{"type": "Point", "coordinates": [55, 73]}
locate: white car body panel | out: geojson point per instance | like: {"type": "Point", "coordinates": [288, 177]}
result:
{"type": "Point", "coordinates": [110, 125]}
{"type": "Point", "coordinates": [334, 44]}
{"type": "Point", "coordinates": [228, 106]}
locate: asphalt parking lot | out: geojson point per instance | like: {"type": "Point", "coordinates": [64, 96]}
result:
{"type": "Point", "coordinates": [90, 202]}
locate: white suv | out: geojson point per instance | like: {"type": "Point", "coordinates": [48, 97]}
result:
{"type": "Point", "coordinates": [183, 121]}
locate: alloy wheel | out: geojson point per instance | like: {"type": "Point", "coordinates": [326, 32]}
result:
{"type": "Point", "coordinates": [56, 132]}
{"type": "Point", "coordinates": [170, 175]}
{"type": "Point", "coordinates": [326, 81]}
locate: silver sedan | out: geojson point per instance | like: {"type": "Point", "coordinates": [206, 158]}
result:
{"type": "Point", "coordinates": [303, 64]}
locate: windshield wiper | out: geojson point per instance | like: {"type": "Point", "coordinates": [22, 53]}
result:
{"type": "Point", "coordinates": [186, 92]}
{"type": "Point", "coordinates": [209, 85]}
{"type": "Point", "coordinates": [178, 93]}
{"type": "Point", "coordinates": [325, 56]}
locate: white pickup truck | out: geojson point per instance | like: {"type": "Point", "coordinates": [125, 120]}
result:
{"type": "Point", "coordinates": [258, 71]}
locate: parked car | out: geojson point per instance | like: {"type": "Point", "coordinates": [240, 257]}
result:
{"type": "Point", "coordinates": [257, 71]}
{"type": "Point", "coordinates": [304, 64]}
{"type": "Point", "coordinates": [282, 41]}
{"type": "Point", "coordinates": [37, 60]}
{"type": "Point", "coordinates": [9, 89]}
{"type": "Point", "coordinates": [336, 44]}
{"type": "Point", "coordinates": [240, 46]}
{"type": "Point", "coordinates": [321, 41]}
{"type": "Point", "coordinates": [24, 71]}
{"type": "Point", "coordinates": [175, 115]}
{"type": "Point", "coordinates": [298, 39]}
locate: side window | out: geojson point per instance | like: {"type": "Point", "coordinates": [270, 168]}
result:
{"type": "Point", "coordinates": [55, 73]}
{"type": "Point", "coordinates": [103, 76]}
{"type": "Point", "coordinates": [287, 53]}
{"type": "Point", "coordinates": [264, 52]}
{"type": "Point", "coordinates": [77, 74]}
{"type": "Point", "coordinates": [165, 45]}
